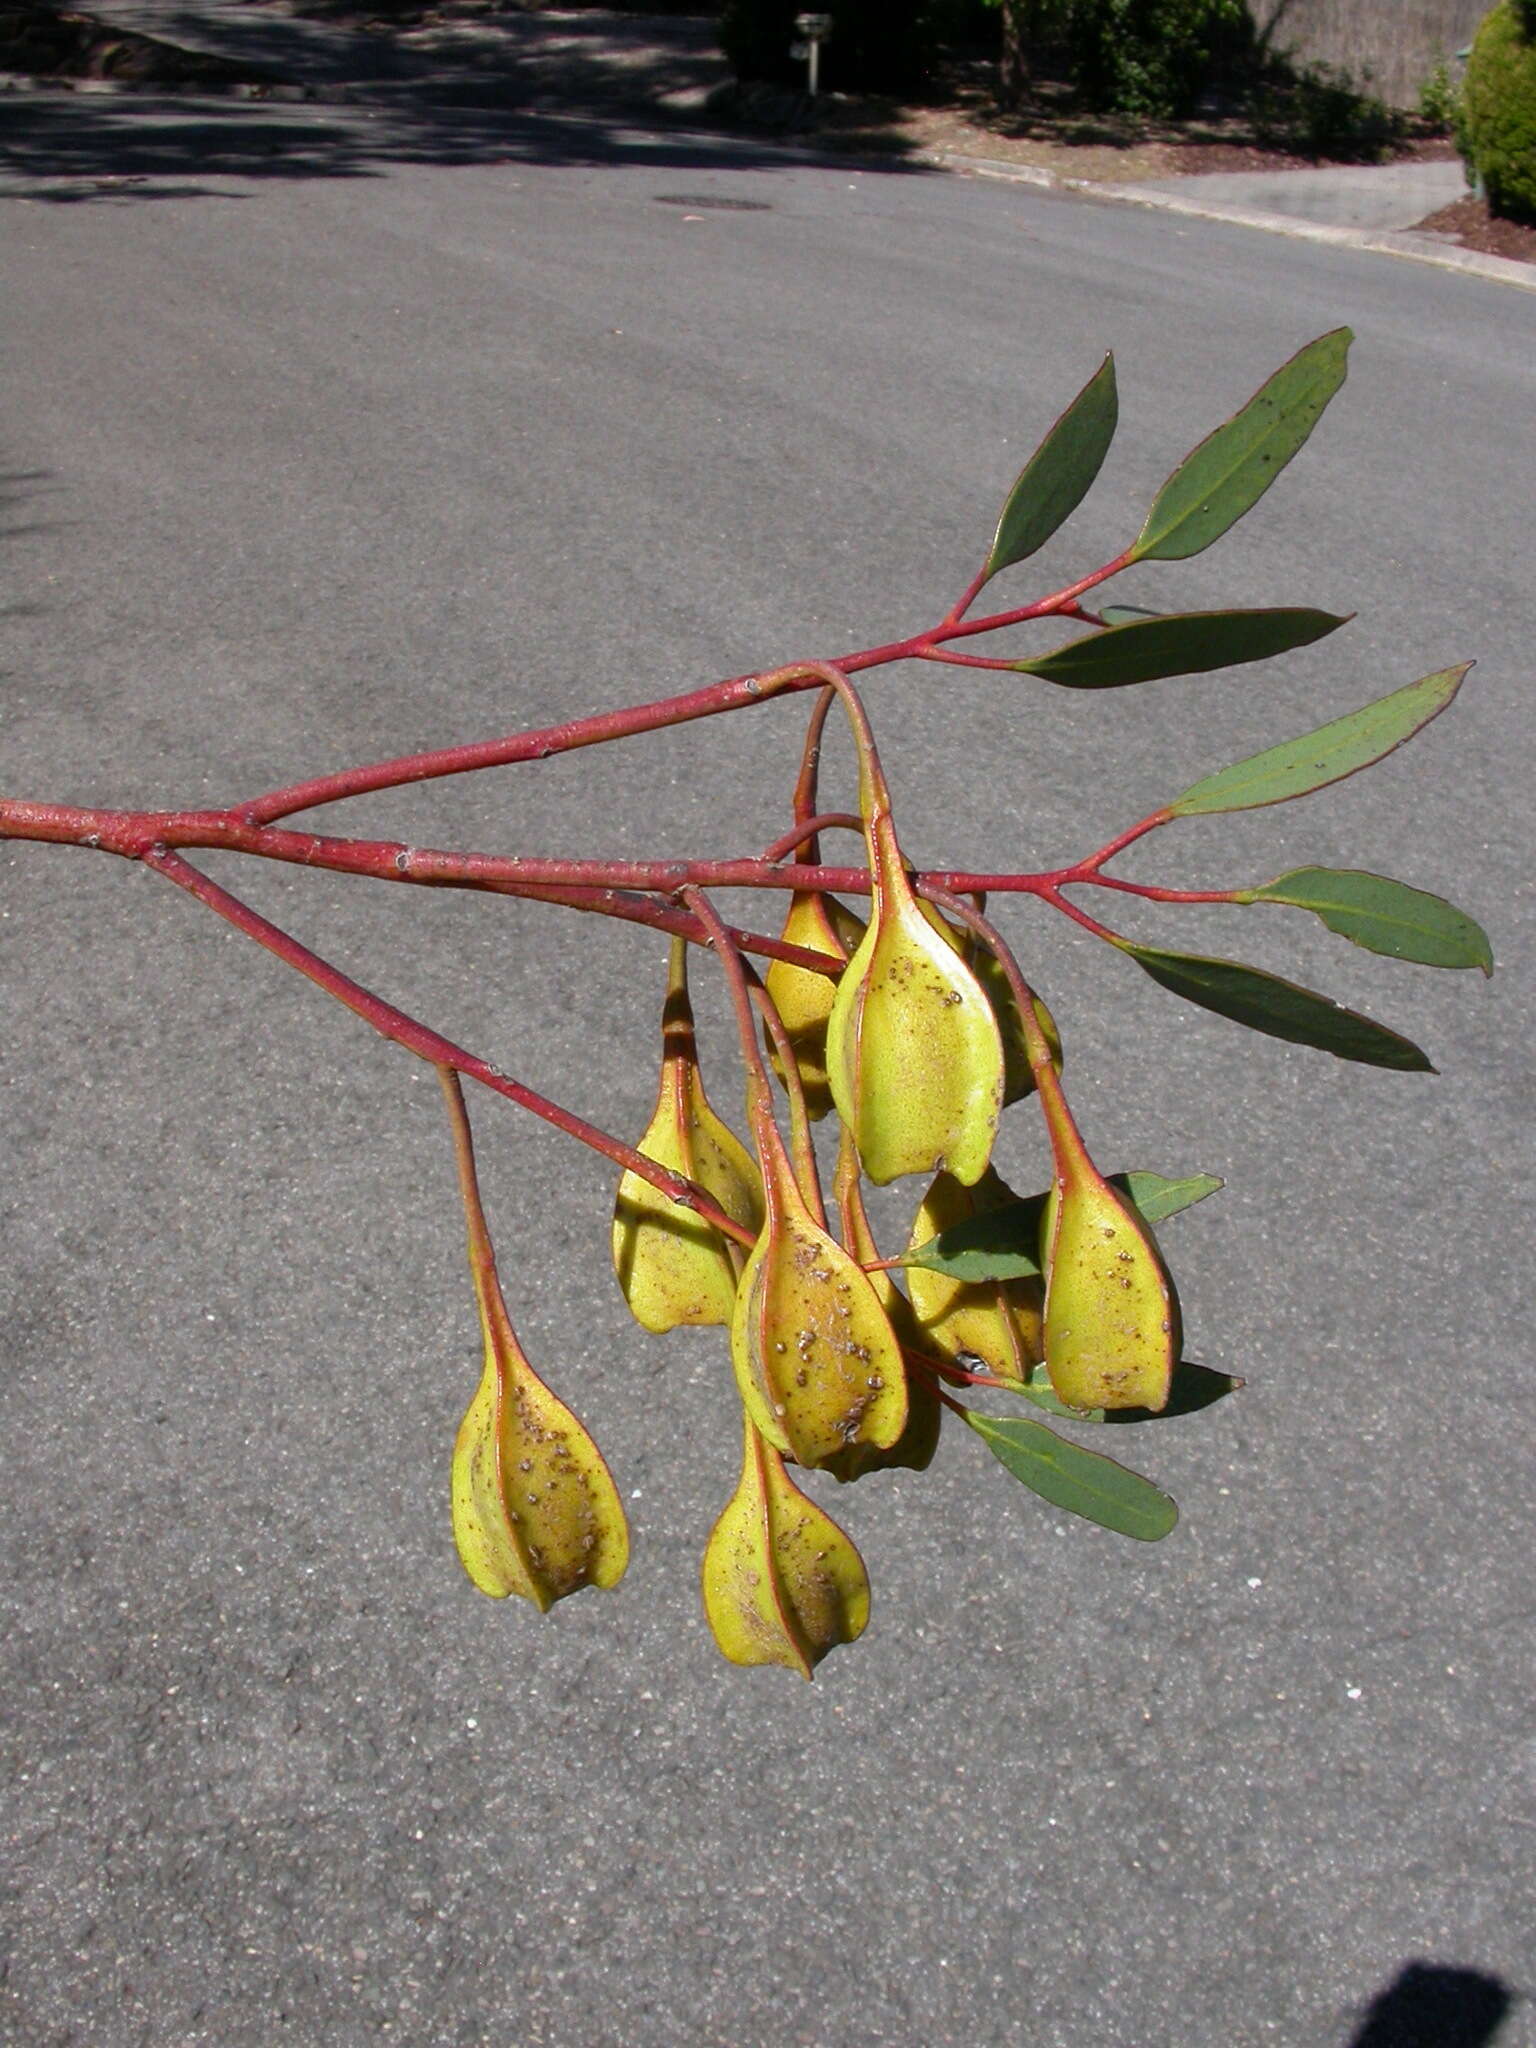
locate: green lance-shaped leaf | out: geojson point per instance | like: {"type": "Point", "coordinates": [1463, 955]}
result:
{"type": "Point", "coordinates": [1083, 1482]}
{"type": "Point", "coordinates": [1154, 1196]}
{"type": "Point", "coordinates": [1282, 1009]}
{"type": "Point", "coordinates": [1181, 644]}
{"type": "Point", "coordinates": [1342, 747]}
{"type": "Point", "coordinates": [1058, 476]}
{"type": "Point", "coordinates": [674, 1267]}
{"type": "Point", "coordinates": [1231, 469]}
{"type": "Point", "coordinates": [804, 1000]}
{"type": "Point", "coordinates": [782, 1583]}
{"type": "Point", "coordinates": [1382, 915]}
{"type": "Point", "coordinates": [817, 1365]}
{"type": "Point", "coordinates": [914, 1055]}
{"type": "Point", "coordinates": [1004, 1243]}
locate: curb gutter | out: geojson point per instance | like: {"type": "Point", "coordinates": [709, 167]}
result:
{"type": "Point", "coordinates": [1385, 242]}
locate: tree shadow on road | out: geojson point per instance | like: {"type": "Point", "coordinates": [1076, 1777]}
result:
{"type": "Point", "coordinates": [73, 148]}
{"type": "Point", "coordinates": [307, 99]}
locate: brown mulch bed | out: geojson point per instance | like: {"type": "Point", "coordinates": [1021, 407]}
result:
{"type": "Point", "coordinates": [960, 115]}
{"type": "Point", "coordinates": [1469, 223]}
{"type": "Point", "coordinates": [1050, 133]}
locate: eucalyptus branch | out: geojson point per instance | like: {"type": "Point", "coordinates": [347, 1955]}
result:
{"type": "Point", "coordinates": [914, 1025]}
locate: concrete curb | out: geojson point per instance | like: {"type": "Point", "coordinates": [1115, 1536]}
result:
{"type": "Point", "coordinates": [1385, 242]}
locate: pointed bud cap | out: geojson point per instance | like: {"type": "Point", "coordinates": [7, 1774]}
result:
{"type": "Point", "coordinates": [535, 1511]}
{"type": "Point", "coordinates": [673, 1266]}
{"type": "Point", "coordinates": [914, 1057]}
{"type": "Point", "coordinates": [804, 1000]}
{"type": "Point", "coordinates": [1111, 1321]}
{"type": "Point", "coordinates": [817, 1364]}
{"type": "Point", "coordinates": [782, 1583]}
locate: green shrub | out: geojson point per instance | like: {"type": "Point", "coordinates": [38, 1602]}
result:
{"type": "Point", "coordinates": [875, 45]}
{"type": "Point", "coordinates": [1500, 109]}
{"type": "Point", "coordinates": [1150, 57]}
{"type": "Point", "coordinates": [1438, 98]}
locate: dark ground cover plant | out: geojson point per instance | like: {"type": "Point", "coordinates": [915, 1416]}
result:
{"type": "Point", "coordinates": [892, 1010]}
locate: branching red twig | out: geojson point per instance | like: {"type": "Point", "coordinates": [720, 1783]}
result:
{"type": "Point", "coordinates": [427, 1044]}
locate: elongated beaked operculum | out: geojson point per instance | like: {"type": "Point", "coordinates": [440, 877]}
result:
{"type": "Point", "coordinates": [817, 1364]}
{"type": "Point", "coordinates": [782, 1583]}
{"type": "Point", "coordinates": [673, 1266]}
{"type": "Point", "coordinates": [1111, 1328]}
{"type": "Point", "coordinates": [804, 1000]}
{"type": "Point", "coordinates": [918, 1441]}
{"type": "Point", "coordinates": [997, 1321]}
{"type": "Point", "coordinates": [535, 1510]}
{"type": "Point", "coordinates": [1018, 1069]}
{"type": "Point", "coordinates": [914, 1057]}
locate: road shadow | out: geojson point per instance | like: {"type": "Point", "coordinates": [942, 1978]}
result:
{"type": "Point", "coordinates": [1436, 2005]}
{"type": "Point", "coordinates": [68, 149]}
{"type": "Point", "coordinates": [19, 488]}
{"type": "Point", "coordinates": [294, 97]}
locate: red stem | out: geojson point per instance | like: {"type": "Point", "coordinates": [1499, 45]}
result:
{"type": "Point", "coordinates": [606, 886]}
{"type": "Point", "coordinates": [968, 596]}
{"type": "Point", "coordinates": [428, 1044]}
{"type": "Point", "coordinates": [1153, 894]}
{"type": "Point", "coordinates": [809, 831]}
{"type": "Point", "coordinates": [733, 694]}
{"type": "Point", "coordinates": [1120, 842]}
{"type": "Point", "coordinates": [1089, 924]}
{"type": "Point", "coordinates": [965, 660]}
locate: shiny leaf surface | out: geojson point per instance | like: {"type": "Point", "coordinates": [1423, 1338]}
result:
{"type": "Point", "coordinates": [1281, 1009]}
{"type": "Point", "coordinates": [1083, 1482]}
{"type": "Point", "coordinates": [1231, 469]}
{"type": "Point", "coordinates": [1382, 915]}
{"type": "Point", "coordinates": [1058, 475]}
{"type": "Point", "coordinates": [1342, 747]}
{"type": "Point", "coordinates": [1183, 644]}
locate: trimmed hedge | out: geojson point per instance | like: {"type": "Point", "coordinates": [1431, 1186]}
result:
{"type": "Point", "coordinates": [1499, 109]}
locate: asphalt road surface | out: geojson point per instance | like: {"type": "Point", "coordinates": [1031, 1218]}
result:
{"type": "Point", "coordinates": [336, 435]}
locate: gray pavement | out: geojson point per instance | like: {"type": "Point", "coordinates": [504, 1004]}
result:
{"type": "Point", "coordinates": [338, 429]}
{"type": "Point", "coordinates": [1340, 195]}
{"type": "Point", "coordinates": [578, 63]}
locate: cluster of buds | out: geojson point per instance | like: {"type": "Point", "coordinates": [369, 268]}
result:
{"type": "Point", "coordinates": [891, 1005]}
